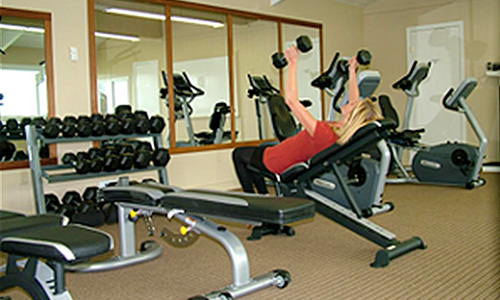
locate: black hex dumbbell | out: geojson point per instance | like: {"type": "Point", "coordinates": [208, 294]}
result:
{"type": "Point", "coordinates": [82, 166]}
{"type": "Point", "coordinates": [52, 203]}
{"type": "Point", "coordinates": [83, 126]}
{"type": "Point", "coordinates": [52, 128]}
{"type": "Point", "coordinates": [12, 128]}
{"type": "Point", "coordinates": [156, 124]}
{"type": "Point", "coordinates": [68, 127]}
{"type": "Point", "coordinates": [7, 150]}
{"type": "Point", "coordinates": [160, 157]}
{"type": "Point", "coordinates": [20, 155]}
{"type": "Point", "coordinates": [304, 44]}
{"type": "Point", "coordinates": [111, 125]}
{"type": "Point", "coordinates": [141, 121]}
{"type": "Point", "coordinates": [363, 57]}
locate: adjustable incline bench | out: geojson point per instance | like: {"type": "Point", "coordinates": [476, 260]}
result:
{"type": "Point", "coordinates": [306, 180]}
{"type": "Point", "coordinates": [190, 207]}
{"type": "Point", "coordinates": [46, 237]}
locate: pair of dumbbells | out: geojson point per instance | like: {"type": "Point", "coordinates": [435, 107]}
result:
{"type": "Point", "coordinates": [143, 154]}
{"type": "Point", "coordinates": [83, 209]}
{"type": "Point", "coordinates": [138, 121]}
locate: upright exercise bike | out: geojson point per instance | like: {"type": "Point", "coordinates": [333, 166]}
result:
{"type": "Point", "coordinates": [184, 94]}
{"type": "Point", "coordinates": [451, 163]}
{"type": "Point", "coordinates": [334, 79]}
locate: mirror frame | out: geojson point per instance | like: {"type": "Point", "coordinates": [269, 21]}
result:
{"type": "Point", "coordinates": [49, 65]}
{"type": "Point", "coordinates": [169, 55]}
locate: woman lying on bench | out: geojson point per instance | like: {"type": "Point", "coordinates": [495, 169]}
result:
{"type": "Point", "coordinates": [316, 136]}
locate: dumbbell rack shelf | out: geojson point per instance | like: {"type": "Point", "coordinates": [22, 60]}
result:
{"type": "Point", "coordinates": [35, 140]}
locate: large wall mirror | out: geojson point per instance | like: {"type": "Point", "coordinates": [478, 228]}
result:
{"type": "Point", "coordinates": [26, 88]}
{"type": "Point", "coordinates": [208, 54]}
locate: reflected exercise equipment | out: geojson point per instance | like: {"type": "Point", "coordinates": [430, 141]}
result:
{"type": "Point", "coordinates": [184, 94]}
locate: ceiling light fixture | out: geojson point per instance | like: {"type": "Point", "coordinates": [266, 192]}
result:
{"type": "Point", "coordinates": [22, 28]}
{"type": "Point", "coordinates": [114, 36]}
{"type": "Point", "coordinates": [153, 16]}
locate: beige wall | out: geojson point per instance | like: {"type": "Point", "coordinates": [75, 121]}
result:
{"type": "Point", "coordinates": [343, 31]}
{"type": "Point", "coordinates": [385, 24]}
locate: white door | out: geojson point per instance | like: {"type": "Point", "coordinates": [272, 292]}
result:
{"type": "Point", "coordinates": [147, 86]}
{"type": "Point", "coordinates": [443, 46]}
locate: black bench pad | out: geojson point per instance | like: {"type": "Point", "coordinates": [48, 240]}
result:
{"type": "Point", "coordinates": [61, 244]}
{"type": "Point", "coordinates": [249, 207]}
{"type": "Point", "coordinates": [9, 214]}
{"type": "Point", "coordinates": [18, 224]}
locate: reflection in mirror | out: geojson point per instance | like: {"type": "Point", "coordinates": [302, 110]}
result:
{"type": "Point", "coordinates": [130, 52]}
{"type": "Point", "coordinates": [254, 42]}
{"type": "Point", "coordinates": [23, 82]}
{"type": "Point", "coordinates": [201, 77]}
{"type": "Point", "coordinates": [309, 66]}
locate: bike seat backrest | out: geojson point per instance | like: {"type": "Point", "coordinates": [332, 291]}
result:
{"type": "Point", "coordinates": [281, 119]}
{"type": "Point", "coordinates": [463, 91]}
{"type": "Point", "coordinates": [260, 85]}
{"type": "Point", "coordinates": [218, 116]}
{"type": "Point", "coordinates": [326, 79]}
{"type": "Point", "coordinates": [388, 110]}
{"type": "Point", "coordinates": [418, 72]}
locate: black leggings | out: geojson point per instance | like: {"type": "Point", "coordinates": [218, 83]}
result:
{"type": "Point", "coordinates": [242, 157]}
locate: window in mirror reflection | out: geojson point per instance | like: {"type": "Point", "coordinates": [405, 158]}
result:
{"type": "Point", "coordinates": [23, 79]}
{"type": "Point", "coordinates": [308, 67]}
{"type": "Point", "coordinates": [254, 42]}
{"type": "Point", "coordinates": [130, 52]}
{"type": "Point", "coordinates": [201, 77]}
{"type": "Point", "coordinates": [22, 68]}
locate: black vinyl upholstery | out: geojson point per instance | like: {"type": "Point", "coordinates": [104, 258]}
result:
{"type": "Point", "coordinates": [61, 244]}
{"type": "Point", "coordinates": [243, 206]}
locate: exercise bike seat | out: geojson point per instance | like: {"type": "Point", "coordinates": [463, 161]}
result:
{"type": "Point", "coordinates": [227, 205]}
{"type": "Point", "coordinates": [408, 137]}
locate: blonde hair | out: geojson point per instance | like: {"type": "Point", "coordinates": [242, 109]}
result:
{"type": "Point", "coordinates": [365, 112]}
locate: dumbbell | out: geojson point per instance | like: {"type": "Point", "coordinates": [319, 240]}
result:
{"type": "Point", "coordinates": [111, 125]}
{"type": "Point", "coordinates": [20, 155]}
{"type": "Point", "coordinates": [52, 128]}
{"type": "Point", "coordinates": [39, 122]}
{"type": "Point", "coordinates": [52, 203]}
{"type": "Point", "coordinates": [7, 150]}
{"type": "Point", "coordinates": [82, 166]}
{"type": "Point", "coordinates": [12, 128]}
{"type": "Point", "coordinates": [83, 127]}
{"type": "Point", "coordinates": [111, 159]}
{"type": "Point", "coordinates": [363, 57]}
{"type": "Point", "coordinates": [70, 203]}
{"type": "Point", "coordinates": [156, 124]}
{"type": "Point", "coordinates": [89, 200]}
{"type": "Point", "coordinates": [160, 157]}
{"type": "Point", "coordinates": [24, 122]}
{"type": "Point", "coordinates": [304, 44]}
{"type": "Point", "coordinates": [126, 122]}
{"type": "Point", "coordinates": [68, 127]}
{"type": "Point", "coordinates": [141, 121]}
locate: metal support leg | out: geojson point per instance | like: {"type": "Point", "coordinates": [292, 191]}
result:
{"type": "Point", "coordinates": [242, 284]}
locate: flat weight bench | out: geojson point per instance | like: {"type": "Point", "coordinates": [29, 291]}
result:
{"type": "Point", "coordinates": [299, 179]}
{"type": "Point", "coordinates": [43, 237]}
{"type": "Point", "coordinates": [190, 207]}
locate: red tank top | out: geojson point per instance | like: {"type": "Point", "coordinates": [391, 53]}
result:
{"type": "Point", "coordinates": [299, 148]}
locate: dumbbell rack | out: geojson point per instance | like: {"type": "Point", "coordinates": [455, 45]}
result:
{"type": "Point", "coordinates": [35, 139]}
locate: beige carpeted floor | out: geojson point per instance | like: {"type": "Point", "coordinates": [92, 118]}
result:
{"type": "Point", "coordinates": [461, 228]}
